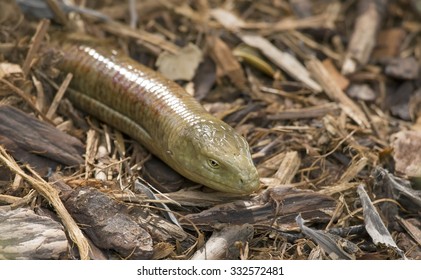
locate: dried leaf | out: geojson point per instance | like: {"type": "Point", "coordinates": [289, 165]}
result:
{"type": "Point", "coordinates": [398, 100]}
{"type": "Point", "coordinates": [205, 78]}
{"type": "Point", "coordinates": [252, 57]}
{"type": "Point", "coordinates": [374, 224]}
{"type": "Point", "coordinates": [162, 250]}
{"type": "Point", "coordinates": [180, 66]}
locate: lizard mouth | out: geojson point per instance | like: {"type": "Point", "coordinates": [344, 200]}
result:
{"type": "Point", "coordinates": [244, 185]}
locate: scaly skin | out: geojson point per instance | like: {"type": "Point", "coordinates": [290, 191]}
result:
{"type": "Point", "coordinates": [161, 116]}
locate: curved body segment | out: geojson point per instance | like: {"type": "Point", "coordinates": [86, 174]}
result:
{"type": "Point", "coordinates": [160, 115]}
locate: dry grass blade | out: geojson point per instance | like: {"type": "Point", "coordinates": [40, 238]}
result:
{"type": "Point", "coordinates": [17, 202]}
{"type": "Point", "coordinates": [250, 56]}
{"type": "Point", "coordinates": [8, 199]}
{"type": "Point", "coordinates": [52, 196]}
{"type": "Point", "coordinates": [331, 190]}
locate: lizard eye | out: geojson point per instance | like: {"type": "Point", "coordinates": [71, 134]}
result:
{"type": "Point", "coordinates": [213, 163]}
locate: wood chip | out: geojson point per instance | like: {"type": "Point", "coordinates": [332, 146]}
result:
{"type": "Point", "coordinates": [28, 236]}
{"type": "Point", "coordinates": [413, 227]}
{"type": "Point", "coordinates": [288, 168]}
{"type": "Point", "coordinates": [328, 242]}
{"type": "Point", "coordinates": [335, 93]}
{"type": "Point", "coordinates": [403, 68]}
{"type": "Point", "coordinates": [221, 244]}
{"type": "Point", "coordinates": [353, 170]}
{"type": "Point", "coordinates": [109, 225]}
{"type": "Point", "coordinates": [363, 39]}
{"type": "Point", "coordinates": [30, 135]}
{"type": "Point", "coordinates": [254, 211]}
{"type": "Point", "coordinates": [227, 62]}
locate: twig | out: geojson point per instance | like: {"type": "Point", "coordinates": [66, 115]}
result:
{"type": "Point", "coordinates": [26, 98]}
{"type": "Point", "coordinates": [59, 96]}
{"type": "Point", "coordinates": [59, 14]}
{"type": "Point", "coordinates": [125, 31]}
{"type": "Point", "coordinates": [306, 113]}
{"type": "Point", "coordinates": [133, 14]}
{"type": "Point", "coordinates": [36, 43]}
